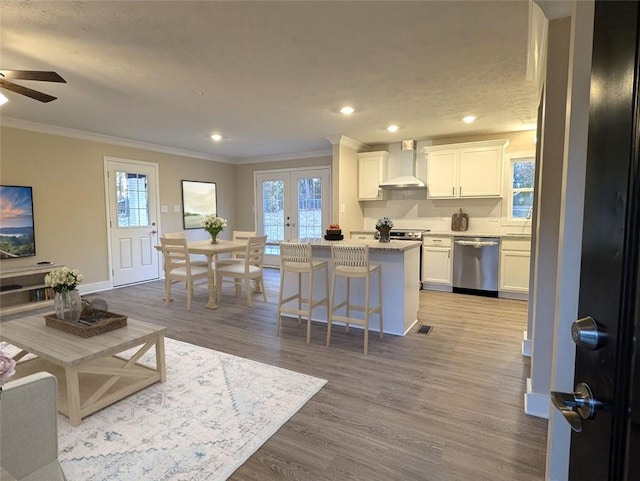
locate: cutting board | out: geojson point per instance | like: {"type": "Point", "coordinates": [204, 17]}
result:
{"type": "Point", "coordinates": [459, 221]}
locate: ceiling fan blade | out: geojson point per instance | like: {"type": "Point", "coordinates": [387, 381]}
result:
{"type": "Point", "coordinates": [32, 75]}
{"type": "Point", "coordinates": [34, 94]}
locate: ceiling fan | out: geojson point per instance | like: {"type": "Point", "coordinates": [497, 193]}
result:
{"type": "Point", "coordinates": [37, 75]}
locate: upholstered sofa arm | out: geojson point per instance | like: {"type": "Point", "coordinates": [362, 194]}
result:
{"type": "Point", "coordinates": [29, 429]}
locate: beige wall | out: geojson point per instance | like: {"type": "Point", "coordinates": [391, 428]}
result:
{"type": "Point", "coordinates": [69, 199]}
{"type": "Point", "coordinates": [244, 197]}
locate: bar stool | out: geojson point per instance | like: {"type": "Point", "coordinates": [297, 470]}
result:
{"type": "Point", "coordinates": [295, 257]}
{"type": "Point", "coordinates": [352, 261]}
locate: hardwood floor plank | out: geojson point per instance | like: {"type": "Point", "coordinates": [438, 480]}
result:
{"type": "Point", "coordinates": [445, 406]}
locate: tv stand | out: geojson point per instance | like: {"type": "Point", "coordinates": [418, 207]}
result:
{"type": "Point", "coordinates": [23, 288]}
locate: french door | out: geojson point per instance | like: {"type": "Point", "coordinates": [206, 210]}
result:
{"type": "Point", "coordinates": [291, 204]}
{"type": "Point", "coordinates": [132, 220]}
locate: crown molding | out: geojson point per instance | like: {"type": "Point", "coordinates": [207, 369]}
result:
{"type": "Point", "coordinates": [107, 139]}
{"type": "Point", "coordinates": [347, 142]}
{"type": "Point", "coordinates": [554, 9]}
{"type": "Point", "coordinates": [280, 157]}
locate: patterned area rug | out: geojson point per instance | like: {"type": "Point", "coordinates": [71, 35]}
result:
{"type": "Point", "coordinates": [213, 412]}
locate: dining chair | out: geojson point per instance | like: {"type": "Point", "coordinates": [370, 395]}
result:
{"type": "Point", "coordinates": [241, 273]}
{"type": "Point", "coordinates": [196, 260]}
{"type": "Point", "coordinates": [178, 267]}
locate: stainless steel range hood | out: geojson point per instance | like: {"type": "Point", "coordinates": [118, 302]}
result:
{"type": "Point", "coordinates": [407, 161]}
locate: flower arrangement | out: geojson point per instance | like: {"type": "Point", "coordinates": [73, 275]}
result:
{"type": "Point", "coordinates": [213, 224]}
{"type": "Point", "coordinates": [384, 224]}
{"type": "Point", "coordinates": [63, 280]}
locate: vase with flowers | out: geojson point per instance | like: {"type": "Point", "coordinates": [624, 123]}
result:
{"type": "Point", "coordinates": [383, 226]}
{"type": "Point", "coordinates": [214, 225]}
{"type": "Point", "coordinates": [66, 301]}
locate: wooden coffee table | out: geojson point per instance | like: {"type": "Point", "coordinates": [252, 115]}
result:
{"type": "Point", "coordinates": [90, 375]}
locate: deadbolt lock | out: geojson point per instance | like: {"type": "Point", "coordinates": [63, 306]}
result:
{"type": "Point", "coordinates": [585, 334]}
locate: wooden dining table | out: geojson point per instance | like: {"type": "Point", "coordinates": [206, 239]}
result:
{"type": "Point", "coordinates": [205, 247]}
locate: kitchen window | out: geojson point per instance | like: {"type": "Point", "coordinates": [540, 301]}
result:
{"type": "Point", "coordinates": [518, 202]}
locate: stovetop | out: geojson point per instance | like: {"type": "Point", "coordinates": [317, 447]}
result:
{"type": "Point", "coordinates": [407, 234]}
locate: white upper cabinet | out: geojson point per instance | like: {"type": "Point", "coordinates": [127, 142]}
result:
{"type": "Point", "coordinates": [442, 173]}
{"type": "Point", "coordinates": [372, 170]}
{"type": "Point", "coordinates": [473, 169]}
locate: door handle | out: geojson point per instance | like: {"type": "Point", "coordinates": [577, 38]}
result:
{"type": "Point", "coordinates": [577, 406]}
{"type": "Point", "coordinates": [153, 232]}
{"type": "Point", "coordinates": [585, 334]}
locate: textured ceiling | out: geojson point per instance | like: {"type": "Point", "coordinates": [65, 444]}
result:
{"type": "Point", "coordinates": [271, 76]}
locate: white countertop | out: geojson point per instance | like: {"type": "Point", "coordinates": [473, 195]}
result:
{"type": "Point", "coordinates": [458, 234]}
{"type": "Point", "coordinates": [394, 245]}
{"type": "Point", "coordinates": [476, 234]}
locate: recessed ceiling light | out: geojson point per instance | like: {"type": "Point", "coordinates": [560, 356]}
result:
{"type": "Point", "coordinates": [216, 137]}
{"type": "Point", "coordinates": [3, 99]}
{"type": "Point", "coordinates": [393, 128]}
{"type": "Point", "coordinates": [346, 110]}
{"type": "Point", "coordinates": [469, 118]}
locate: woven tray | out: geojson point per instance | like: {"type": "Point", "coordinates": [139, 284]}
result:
{"type": "Point", "coordinates": [113, 321]}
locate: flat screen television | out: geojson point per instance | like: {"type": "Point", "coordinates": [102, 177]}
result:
{"type": "Point", "coordinates": [17, 233]}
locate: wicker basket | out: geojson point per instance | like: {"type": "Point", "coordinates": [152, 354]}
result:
{"type": "Point", "coordinates": [112, 321]}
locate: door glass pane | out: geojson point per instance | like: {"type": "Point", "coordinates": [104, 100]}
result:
{"type": "Point", "coordinates": [273, 213]}
{"type": "Point", "coordinates": [310, 208]}
{"type": "Point", "coordinates": [133, 199]}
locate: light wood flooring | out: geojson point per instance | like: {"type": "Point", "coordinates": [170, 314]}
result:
{"type": "Point", "coordinates": [443, 406]}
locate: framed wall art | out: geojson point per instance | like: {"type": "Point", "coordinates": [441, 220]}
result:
{"type": "Point", "coordinates": [198, 200]}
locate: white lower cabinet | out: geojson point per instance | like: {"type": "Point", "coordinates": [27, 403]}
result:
{"type": "Point", "coordinates": [436, 263]}
{"type": "Point", "coordinates": [515, 255]}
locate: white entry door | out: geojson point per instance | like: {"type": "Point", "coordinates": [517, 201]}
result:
{"type": "Point", "coordinates": [132, 201]}
{"type": "Point", "coordinates": [292, 205]}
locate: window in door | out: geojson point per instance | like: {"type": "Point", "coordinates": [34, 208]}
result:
{"type": "Point", "coordinates": [310, 208]}
{"type": "Point", "coordinates": [273, 224]}
{"type": "Point", "coordinates": [133, 199]}
{"type": "Point", "coordinates": [292, 205]}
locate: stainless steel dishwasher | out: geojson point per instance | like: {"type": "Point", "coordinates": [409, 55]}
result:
{"type": "Point", "coordinates": [475, 265]}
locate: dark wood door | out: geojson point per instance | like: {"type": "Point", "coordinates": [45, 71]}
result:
{"type": "Point", "coordinates": [608, 446]}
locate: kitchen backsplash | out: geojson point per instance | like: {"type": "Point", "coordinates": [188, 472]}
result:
{"type": "Point", "coordinates": [410, 209]}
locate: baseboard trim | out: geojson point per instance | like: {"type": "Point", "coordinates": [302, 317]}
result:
{"type": "Point", "coordinates": [95, 287]}
{"type": "Point", "coordinates": [519, 296]}
{"type": "Point", "coordinates": [536, 404]}
{"type": "Point", "coordinates": [432, 286]}
{"type": "Point", "coordinates": [526, 344]}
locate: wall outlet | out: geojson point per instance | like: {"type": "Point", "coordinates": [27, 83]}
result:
{"type": "Point", "coordinates": [164, 208]}
{"type": "Point", "coordinates": [444, 218]}
{"type": "Point", "coordinates": [176, 208]}
{"type": "Point", "coordinates": [494, 219]}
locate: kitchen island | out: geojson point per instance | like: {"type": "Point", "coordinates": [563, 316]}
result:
{"type": "Point", "coordinates": [399, 260]}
